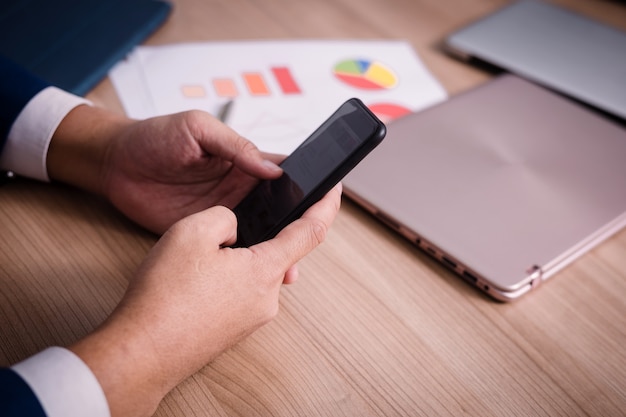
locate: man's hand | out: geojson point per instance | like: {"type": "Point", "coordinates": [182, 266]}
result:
{"type": "Point", "coordinates": [193, 298]}
{"type": "Point", "coordinates": [159, 170]}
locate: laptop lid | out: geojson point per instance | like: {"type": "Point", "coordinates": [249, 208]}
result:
{"type": "Point", "coordinates": [505, 184]}
{"type": "Point", "coordinates": [554, 47]}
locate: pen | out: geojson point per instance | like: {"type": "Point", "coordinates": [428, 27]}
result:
{"type": "Point", "coordinates": [225, 111]}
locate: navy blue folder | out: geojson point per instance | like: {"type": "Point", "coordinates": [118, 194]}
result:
{"type": "Point", "coordinates": [73, 43]}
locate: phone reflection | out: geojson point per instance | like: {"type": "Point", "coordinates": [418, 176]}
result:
{"type": "Point", "coordinates": [269, 205]}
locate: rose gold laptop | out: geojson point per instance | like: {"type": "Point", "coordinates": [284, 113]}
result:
{"type": "Point", "coordinates": [505, 184]}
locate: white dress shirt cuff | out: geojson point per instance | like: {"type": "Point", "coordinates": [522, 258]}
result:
{"type": "Point", "coordinates": [26, 148]}
{"type": "Point", "coordinates": [63, 384]}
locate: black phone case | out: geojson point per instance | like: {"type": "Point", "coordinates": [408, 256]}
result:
{"type": "Point", "coordinates": [328, 183]}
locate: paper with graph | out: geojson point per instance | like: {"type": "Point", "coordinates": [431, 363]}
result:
{"type": "Point", "coordinates": [282, 90]}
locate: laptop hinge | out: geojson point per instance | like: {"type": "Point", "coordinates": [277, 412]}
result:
{"type": "Point", "coordinates": [536, 275]}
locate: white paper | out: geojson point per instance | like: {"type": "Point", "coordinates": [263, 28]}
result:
{"type": "Point", "coordinates": [157, 80]}
{"type": "Point", "coordinates": [130, 84]}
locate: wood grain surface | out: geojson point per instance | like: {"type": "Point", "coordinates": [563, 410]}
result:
{"type": "Point", "coordinates": [373, 327]}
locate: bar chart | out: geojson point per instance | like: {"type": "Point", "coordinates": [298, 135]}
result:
{"type": "Point", "coordinates": [253, 83]}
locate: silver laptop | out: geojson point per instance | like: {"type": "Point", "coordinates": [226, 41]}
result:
{"type": "Point", "coordinates": [552, 46]}
{"type": "Point", "coordinates": [504, 184]}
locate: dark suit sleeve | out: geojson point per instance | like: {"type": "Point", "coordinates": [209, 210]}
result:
{"type": "Point", "coordinates": [17, 87]}
{"type": "Point", "coordinates": [16, 397]}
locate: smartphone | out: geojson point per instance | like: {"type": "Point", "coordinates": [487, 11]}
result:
{"type": "Point", "coordinates": [313, 169]}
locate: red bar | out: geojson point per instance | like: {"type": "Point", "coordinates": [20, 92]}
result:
{"type": "Point", "coordinates": [285, 80]}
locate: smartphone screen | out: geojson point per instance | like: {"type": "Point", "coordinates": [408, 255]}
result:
{"type": "Point", "coordinates": [316, 166]}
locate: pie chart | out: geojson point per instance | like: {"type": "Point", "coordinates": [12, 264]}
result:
{"type": "Point", "coordinates": [387, 112]}
{"type": "Point", "coordinates": [365, 74]}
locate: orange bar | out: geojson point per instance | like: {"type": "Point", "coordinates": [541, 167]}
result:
{"type": "Point", "coordinates": [256, 84]}
{"type": "Point", "coordinates": [193, 91]}
{"type": "Point", "coordinates": [225, 87]}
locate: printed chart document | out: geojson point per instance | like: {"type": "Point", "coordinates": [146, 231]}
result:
{"type": "Point", "coordinates": [281, 90]}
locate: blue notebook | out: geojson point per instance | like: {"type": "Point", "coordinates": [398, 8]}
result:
{"type": "Point", "coordinates": [72, 44]}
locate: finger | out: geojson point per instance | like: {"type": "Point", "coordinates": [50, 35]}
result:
{"type": "Point", "coordinates": [274, 157]}
{"type": "Point", "coordinates": [331, 201]}
{"type": "Point", "coordinates": [291, 275]}
{"type": "Point", "coordinates": [217, 226]}
{"type": "Point", "coordinates": [303, 235]}
{"type": "Point", "coordinates": [217, 139]}
{"type": "Point", "coordinates": [251, 161]}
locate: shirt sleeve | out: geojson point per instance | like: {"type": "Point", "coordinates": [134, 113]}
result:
{"type": "Point", "coordinates": [63, 384]}
{"type": "Point", "coordinates": [26, 147]}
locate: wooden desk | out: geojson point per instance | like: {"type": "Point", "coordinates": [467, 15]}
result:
{"type": "Point", "coordinates": [373, 327]}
